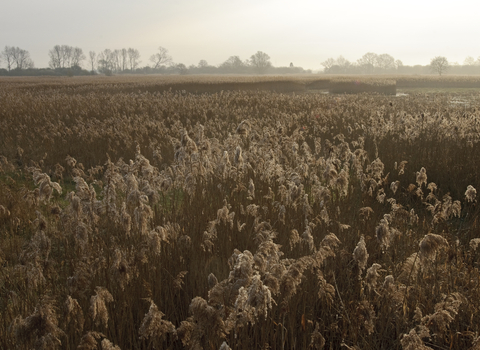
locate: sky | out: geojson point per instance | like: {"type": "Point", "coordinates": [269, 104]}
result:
{"type": "Point", "coordinates": [304, 32]}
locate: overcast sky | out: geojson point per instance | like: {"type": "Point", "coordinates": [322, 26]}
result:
{"type": "Point", "coordinates": [305, 32]}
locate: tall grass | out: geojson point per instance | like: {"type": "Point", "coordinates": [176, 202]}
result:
{"type": "Point", "coordinates": [238, 219]}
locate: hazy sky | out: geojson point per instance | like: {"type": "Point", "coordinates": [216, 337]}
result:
{"type": "Point", "coordinates": [305, 32]}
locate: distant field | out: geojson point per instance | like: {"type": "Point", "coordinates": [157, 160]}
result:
{"type": "Point", "coordinates": [216, 83]}
{"type": "Point", "coordinates": [213, 212]}
{"type": "Point", "coordinates": [436, 90]}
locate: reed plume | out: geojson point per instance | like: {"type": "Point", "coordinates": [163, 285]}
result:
{"type": "Point", "coordinates": [154, 327]}
{"type": "Point", "coordinates": [98, 306]}
{"type": "Point", "coordinates": [430, 245]}
{"type": "Point", "coordinates": [360, 254]}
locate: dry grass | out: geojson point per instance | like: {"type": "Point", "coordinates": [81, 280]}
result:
{"type": "Point", "coordinates": [348, 86]}
{"type": "Point", "coordinates": [241, 219]}
{"type": "Point", "coordinates": [217, 83]}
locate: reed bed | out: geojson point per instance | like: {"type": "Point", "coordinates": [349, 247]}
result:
{"type": "Point", "coordinates": [347, 86]}
{"type": "Point", "coordinates": [132, 219]}
{"type": "Point", "coordinates": [383, 84]}
{"type": "Point", "coordinates": [452, 81]}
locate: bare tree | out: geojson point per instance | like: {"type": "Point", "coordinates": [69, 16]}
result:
{"type": "Point", "coordinates": [105, 62]}
{"type": "Point", "coordinates": [343, 64]}
{"type": "Point", "coordinates": [123, 59]}
{"type": "Point", "coordinates": [385, 61]}
{"type": "Point", "coordinates": [17, 58]}
{"type": "Point", "coordinates": [368, 62]}
{"type": "Point", "coordinates": [77, 57]}
{"type": "Point", "coordinates": [260, 62]}
{"type": "Point", "coordinates": [233, 63]}
{"type": "Point", "coordinates": [65, 56]}
{"type": "Point", "coordinates": [439, 64]}
{"type": "Point", "coordinates": [181, 68]}
{"type": "Point", "coordinates": [93, 59]}
{"type": "Point", "coordinates": [328, 63]}
{"type": "Point", "coordinates": [116, 58]}
{"type": "Point", "coordinates": [56, 57]}
{"type": "Point", "coordinates": [133, 58]}
{"type": "Point", "coordinates": [7, 55]}
{"type": "Point", "coordinates": [202, 64]}
{"type": "Point", "coordinates": [101, 61]}
{"type": "Point", "coordinates": [469, 61]}
{"type": "Point", "coordinates": [160, 58]}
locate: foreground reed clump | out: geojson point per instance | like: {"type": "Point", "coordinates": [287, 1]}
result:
{"type": "Point", "coordinates": [240, 219]}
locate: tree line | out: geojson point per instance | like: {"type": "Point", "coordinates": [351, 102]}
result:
{"type": "Point", "coordinates": [69, 60]}
{"type": "Point", "coordinates": [372, 63]}
{"type": "Point", "coordinates": [16, 58]}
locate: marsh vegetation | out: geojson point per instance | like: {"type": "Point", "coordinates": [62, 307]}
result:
{"type": "Point", "coordinates": [135, 217]}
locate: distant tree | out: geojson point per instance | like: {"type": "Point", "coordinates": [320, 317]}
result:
{"type": "Point", "coordinates": [65, 56]}
{"type": "Point", "coordinates": [328, 64]}
{"type": "Point", "coordinates": [203, 67]}
{"type": "Point", "coordinates": [339, 66]}
{"type": "Point", "coordinates": [123, 59]}
{"type": "Point", "coordinates": [133, 58]}
{"type": "Point", "coordinates": [56, 57]}
{"type": "Point", "coordinates": [93, 59]}
{"type": "Point", "coordinates": [369, 58]}
{"type": "Point", "coordinates": [17, 58]}
{"type": "Point", "coordinates": [260, 62]}
{"type": "Point", "coordinates": [469, 61]}
{"type": "Point", "coordinates": [439, 64]}
{"type": "Point", "coordinates": [116, 59]}
{"type": "Point", "coordinates": [385, 61]}
{"type": "Point", "coordinates": [182, 69]}
{"type": "Point", "coordinates": [202, 64]}
{"type": "Point", "coordinates": [368, 62]}
{"type": "Point", "coordinates": [234, 64]}
{"type": "Point", "coordinates": [105, 61]}
{"type": "Point", "coordinates": [291, 64]}
{"type": "Point", "coordinates": [77, 57]}
{"type": "Point", "coordinates": [161, 58]}
{"type": "Point", "coordinates": [398, 64]}
{"type": "Point", "coordinates": [343, 64]}
{"type": "Point", "coordinates": [7, 55]}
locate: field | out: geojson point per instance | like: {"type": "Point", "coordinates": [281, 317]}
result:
{"type": "Point", "coordinates": [239, 212]}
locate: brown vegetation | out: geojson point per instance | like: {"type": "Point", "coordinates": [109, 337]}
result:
{"type": "Point", "coordinates": [348, 86]}
{"type": "Point", "coordinates": [132, 218]}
